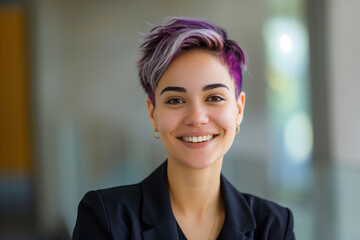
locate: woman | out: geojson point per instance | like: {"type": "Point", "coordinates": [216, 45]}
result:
{"type": "Point", "coordinates": [192, 75]}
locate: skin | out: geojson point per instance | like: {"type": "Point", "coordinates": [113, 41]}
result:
{"type": "Point", "coordinates": [196, 97]}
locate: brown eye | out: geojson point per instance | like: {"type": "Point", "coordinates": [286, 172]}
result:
{"type": "Point", "coordinates": [215, 99]}
{"type": "Point", "coordinates": [175, 101]}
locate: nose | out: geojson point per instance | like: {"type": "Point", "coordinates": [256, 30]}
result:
{"type": "Point", "coordinates": [196, 115]}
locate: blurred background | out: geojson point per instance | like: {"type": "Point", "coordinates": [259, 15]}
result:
{"type": "Point", "coordinates": [73, 116]}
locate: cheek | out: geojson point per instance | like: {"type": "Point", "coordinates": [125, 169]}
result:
{"type": "Point", "coordinates": [226, 118]}
{"type": "Point", "coordinates": [168, 121]}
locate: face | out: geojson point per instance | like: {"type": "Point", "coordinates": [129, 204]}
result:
{"type": "Point", "coordinates": [196, 111]}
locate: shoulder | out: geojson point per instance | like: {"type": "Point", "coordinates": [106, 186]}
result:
{"type": "Point", "coordinates": [105, 213]}
{"type": "Point", "coordinates": [272, 220]}
{"type": "Point", "coordinates": [116, 211]}
{"type": "Point", "coordinates": [261, 218]}
{"type": "Point", "coordinates": [263, 208]}
{"type": "Point", "coordinates": [122, 198]}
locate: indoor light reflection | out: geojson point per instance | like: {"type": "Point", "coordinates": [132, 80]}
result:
{"type": "Point", "coordinates": [298, 137]}
{"type": "Point", "coordinates": [285, 43]}
{"type": "Point", "coordinates": [291, 138]}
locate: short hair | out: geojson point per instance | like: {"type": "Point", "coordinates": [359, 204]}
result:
{"type": "Point", "coordinates": [164, 42]}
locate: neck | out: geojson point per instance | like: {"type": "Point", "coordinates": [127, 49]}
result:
{"type": "Point", "coordinates": [194, 191]}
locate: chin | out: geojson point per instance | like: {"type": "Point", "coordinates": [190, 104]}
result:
{"type": "Point", "coordinates": [199, 163]}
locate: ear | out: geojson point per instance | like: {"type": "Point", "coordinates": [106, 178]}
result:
{"type": "Point", "coordinates": [240, 104]}
{"type": "Point", "coordinates": [151, 112]}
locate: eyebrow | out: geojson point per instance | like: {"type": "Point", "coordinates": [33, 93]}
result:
{"type": "Point", "coordinates": [215, 85]}
{"type": "Point", "coordinates": [175, 89]}
{"type": "Point", "coordinates": [205, 88]}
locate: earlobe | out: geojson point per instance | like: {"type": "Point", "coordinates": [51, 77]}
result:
{"type": "Point", "coordinates": [151, 112]}
{"type": "Point", "coordinates": [240, 107]}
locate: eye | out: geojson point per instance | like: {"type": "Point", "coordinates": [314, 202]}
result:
{"type": "Point", "coordinates": [215, 99]}
{"type": "Point", "coordinates": [175, 101]}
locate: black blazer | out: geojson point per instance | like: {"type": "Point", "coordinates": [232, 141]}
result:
{"type": "Point", "coordinates": [143, 211]}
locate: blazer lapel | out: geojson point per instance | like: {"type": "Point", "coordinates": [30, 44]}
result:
{"type": "Point", "coordinates": [163, 231]}
{"type": "Point", "coordinates": [239, 220]}
{"type": "Point", "coordinates": [156, 207]}
{"type": "Point", "coordinates": [230, 232]}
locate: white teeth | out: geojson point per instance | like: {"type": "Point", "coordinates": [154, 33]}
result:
{"type": "Point", "coordinates": [198, 139]}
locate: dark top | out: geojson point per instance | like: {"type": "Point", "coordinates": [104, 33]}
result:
{"type": "Point", "coordinates": [183, 237]}
{"type": "Point", "coordinates": [143, 211]}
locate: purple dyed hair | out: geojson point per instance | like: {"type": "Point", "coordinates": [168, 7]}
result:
{"type": "Point", "coordinates": [163, 43]}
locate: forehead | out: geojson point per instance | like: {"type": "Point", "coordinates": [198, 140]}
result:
{"type": "Point", "coordinates": [196, 68]}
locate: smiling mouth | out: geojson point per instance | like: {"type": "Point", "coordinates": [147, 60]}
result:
{"type": "Point", "coordinates": [198, 139]}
